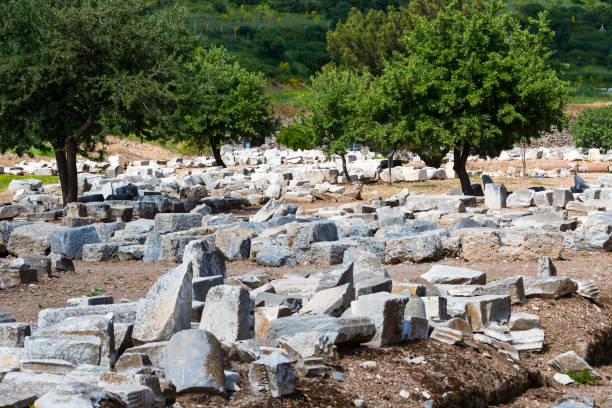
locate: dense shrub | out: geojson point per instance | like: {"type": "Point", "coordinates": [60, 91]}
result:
{"type": "Point", "coordinates": [594, 128]}
{"type": "Point", "coordinates": [294, 138]}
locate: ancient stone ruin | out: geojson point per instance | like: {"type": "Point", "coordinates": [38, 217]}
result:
{"type": "Point", "coordinates": [316, 284]}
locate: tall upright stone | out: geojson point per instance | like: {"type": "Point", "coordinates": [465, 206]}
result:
{"type": "Point", "coordinates": [387, 312]}
{"type": "Point", "coordinates": [204, 258]}
{"type": "Point", "coordinates": [495, 196]}
{"type": "Point", "coordinates": [227, 313]}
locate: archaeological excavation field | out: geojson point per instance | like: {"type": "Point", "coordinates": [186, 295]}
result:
{"type": "Point", "coordinates": [276, 283]}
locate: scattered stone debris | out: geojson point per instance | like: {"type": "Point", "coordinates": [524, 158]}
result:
{"type": "Point", "coordinates": [198, 330]}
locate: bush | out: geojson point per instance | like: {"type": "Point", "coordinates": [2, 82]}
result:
{"type": "Point", "coordinates": [594, 128]}
{"type": "Point", "coordinates": [294, 138]}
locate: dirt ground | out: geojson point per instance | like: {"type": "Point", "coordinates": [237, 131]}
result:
{"type": "Point", "coordinates": [128, 150]}
{"type": "Point", "coordinates": [482, 373]}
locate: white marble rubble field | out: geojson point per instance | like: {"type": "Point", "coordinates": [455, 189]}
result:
{"type": "Point", "coordinates": [196, 324]}
{"type": "Point", "coordinates": [362, 164]}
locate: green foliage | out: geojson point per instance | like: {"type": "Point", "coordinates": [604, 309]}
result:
{"type": "Point", "coordinates": [472, 83]}
{"type": "Point", "coordinates": [262, 38]}
{"type": "Point", "coordinates": [334, 118]}
{"type": "Point", "coordinates": [295, 138]}
{"type": "Point", "coordinates": [334, 9]}
{"type": "Point", "coordinates": [590, 96]}
{"type": "Point", "coordinates": [579, 39]}
{"type": "Point", "coordinates": [583, 377]}
{"type": "Point", "coordinates": [293, 96]}
{"type": "Point", "coordinates": [72, 59]}
{"type": "Point", "coordinates": [220, 6]}
{"type": "Point", "coordinates": [366, 42]}
{"type": "Point", "coordinates": [73, 71]}
{"type": "Point", "coordinates": [44, 150]}
{"type": "Point", "coordinates": [5, 179]}
{"type": "Point", "coordinates": [594, 128]}
{"type": "Point", "coordinates": [95, 292]}
{"type": "Point", "coordinates": [222, 102]}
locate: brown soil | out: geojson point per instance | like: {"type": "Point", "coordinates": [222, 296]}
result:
{"type": "Point", "coordinates": [483, 375]}
{"type": "Point", "coordinates": [128, 150]}
{"type": "Point", "coordinates": [129, 280]}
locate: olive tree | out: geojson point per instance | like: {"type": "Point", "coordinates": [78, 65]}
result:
{"type": "Point", "coordinates": [72, 71]}
{"type": "Point", "coordinates": [221, 102]}
{"type": "Point", "coordinates": [472, 83]}
{"type": "Point", "coordinates": [333, 118]}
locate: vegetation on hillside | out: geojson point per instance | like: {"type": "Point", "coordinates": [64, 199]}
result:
{"type": "Point", "coordinates": [288, 40]}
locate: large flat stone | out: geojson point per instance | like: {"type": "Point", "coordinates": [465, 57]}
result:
{"type": "Point", "coordinates": [347, 330]}
{"type": "Point", "coordinates": [444, 274]}
{"type": "Point", "coordinates": [166, 309]}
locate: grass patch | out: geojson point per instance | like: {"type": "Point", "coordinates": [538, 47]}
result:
{"type": "Point", "coordinates": [5, 179]}
{"type": "Point", "coordinates": [590, 96]}
{"type": "Point", "coordinates": [288, 95]}
{"type": "Point", "coordinates": [95, 292]}
{"type": "Point", "coordinates": [46, 151]}
{"type": "Point", "coordinates": [583, 377]}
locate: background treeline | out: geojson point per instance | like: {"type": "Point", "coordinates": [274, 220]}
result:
{"type": "Point", "coordinates": [286, 39]}
{"type": "Point", "coordinates": [583, 39]}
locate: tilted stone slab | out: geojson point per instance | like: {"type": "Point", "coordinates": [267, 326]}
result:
{"type": "Point", "coordinates": [166, 309]}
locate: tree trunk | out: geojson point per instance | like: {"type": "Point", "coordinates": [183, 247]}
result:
{"type": "Point", "coordinates": [460, 156]}
{"type": "Point", "coordinates": [66, 166]}
{"type": "Point", "coordinates": [217, 154]}
{"type": "Point", "coordinates": [62, 169]}
{"type": "Point", "coordinates": [390, 165]}
{"type": "Point", "coordinates": [347, 178]}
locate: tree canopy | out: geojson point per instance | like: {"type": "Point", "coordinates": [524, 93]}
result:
{"type": "Point", "coordinates": [366, 42]}
{"type": "Point", "coordinates": [72, 71]}
{"type": "Point", "coordinates": [222, 102]}
{"type": "Point", "coordinates": [472, 83]}
{"type": "Point", "coordinates": [334, 116]}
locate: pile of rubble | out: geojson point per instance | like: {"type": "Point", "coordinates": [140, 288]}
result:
{"type": "Point", "coordinates": [198, 330]}
{"type": "Point", "coordinates": [362, 164]}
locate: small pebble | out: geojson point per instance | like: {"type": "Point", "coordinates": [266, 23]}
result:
{"type": "Point", "coordinates": [369, 364]}
{"type": "Point", "coordinates": [404, 394]}
{"type": "Point", "coordinates": [426, 395]}
{"type": "Point", "coordinates": [338, 376]}
{"type": "Point", "coordinates": [359, 403]}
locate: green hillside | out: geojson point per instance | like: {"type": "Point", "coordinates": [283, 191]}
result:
{"type": "Point", "coordinates": [286, 40]}
{"type": "Point", "coordinates": [583, 39]}
{"type": "Point", "coordinates": [283, 39]}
